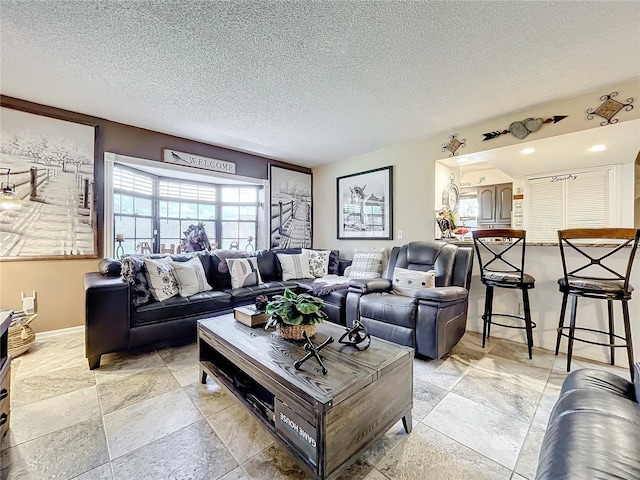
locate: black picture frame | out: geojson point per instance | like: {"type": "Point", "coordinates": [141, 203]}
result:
{"type": "Point", "coordinates": [364, 205]}
{"type": "Point", "coordinates": [290, 208]}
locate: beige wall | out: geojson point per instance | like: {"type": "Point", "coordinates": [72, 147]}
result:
{"type": "Point", "coordinates": [58, 285]}
{"type": "Point", "coordinates": [414, 166]}
{"type": "Point", "coordinates": [414, 204]}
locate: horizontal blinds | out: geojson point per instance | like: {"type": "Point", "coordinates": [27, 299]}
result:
{"type": "Point", "coordinates": [588, 200]}
{"type": "Point", "coordinates": [129, 181]}
{"type": "Point", "coordinates": [187, 191]}
{"type": "Point", "coordinates": [546, 210]}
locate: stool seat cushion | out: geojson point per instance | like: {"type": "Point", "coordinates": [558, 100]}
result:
{"type": "Point", "coordinates": [595, 285]}
{"type": "Point", "coordinates": [507, 278]}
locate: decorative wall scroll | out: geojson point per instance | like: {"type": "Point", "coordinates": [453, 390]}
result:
{"type": "Point", "coordinates": [52, 167]}
{"type": "Point", "coordinates": [523, 128]}
{"type": "Point", "coordinates": [454, 144]}
{"type": "Point", "coordinates": [609, 108]}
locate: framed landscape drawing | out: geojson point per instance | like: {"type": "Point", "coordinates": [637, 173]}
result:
{"type": "Point", "coordinates": [48, 164]}
{"type": "Point", "coordinates": [291, 208]}
{"type": "Point", "coordinates": [365, 206]}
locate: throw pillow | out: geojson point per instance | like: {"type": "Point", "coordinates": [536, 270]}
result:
{"type": "Point", "coordinates": [162, 281]}
{"type": "Point", "coordinates": [407, 282]}
{"type": "Point", "coordinates": [244, 272]}
{"type": "Point", "coordinates": [133, 272]}
{"type": "Point", "coordinates": [367, 263]}
{"type": "Point", "coordinates": [318, 262]}
{"type": "Point", "coordinates": [190, 277]}
{"type": "Point", "coordinates": [294, 266]}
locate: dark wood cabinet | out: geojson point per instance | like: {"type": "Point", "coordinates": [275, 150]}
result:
{"type": "Point", "coordinates": [494, 205]}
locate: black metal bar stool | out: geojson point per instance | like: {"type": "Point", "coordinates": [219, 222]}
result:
{"type": "Point", "coordinates": [583, 277]}
{"type": "Point", "coordinates": [501, 271]}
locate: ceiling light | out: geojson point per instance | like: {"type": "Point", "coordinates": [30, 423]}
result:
{"type": "Point", "coordinates": [598, 148]}
{"type": "Point", "coordinates": [529, 150]}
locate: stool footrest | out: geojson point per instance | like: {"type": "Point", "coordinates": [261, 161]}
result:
{"type": "Point", "coordinates": [533, 324]}
{"type": "Point", "coordinates": [601, 332]}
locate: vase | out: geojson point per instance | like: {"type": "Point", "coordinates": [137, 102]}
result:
{"type": "Point", "coordinates": [294, 332]}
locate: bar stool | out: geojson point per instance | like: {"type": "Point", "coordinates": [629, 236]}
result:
{"type": "Point", "coordinates": [504, 274]}
{"type": "Point", "coordinates": [580, 280]}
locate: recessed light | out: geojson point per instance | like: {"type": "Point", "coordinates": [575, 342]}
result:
{"type": "Point", "coordinates": [529, 150]}
{"type": "Point", "coordinates": [598, 148]}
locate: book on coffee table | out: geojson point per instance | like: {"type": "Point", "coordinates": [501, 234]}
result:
{"type": "Point", "coordinates": [250, 315]}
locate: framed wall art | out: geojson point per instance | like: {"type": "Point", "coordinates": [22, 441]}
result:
{"type": "Point", "coordinates": [365, 205]}
{"type": "Point", "coordinates": [291, 208]}
{"type": "Point", "coordinates": [47, 172]}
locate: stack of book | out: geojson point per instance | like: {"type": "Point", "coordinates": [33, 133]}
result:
{"type": "Point", "coordinates": [250, 315]}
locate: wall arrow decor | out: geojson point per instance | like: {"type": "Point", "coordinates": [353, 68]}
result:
{"type": "Point", "coordinates": [523, 128]}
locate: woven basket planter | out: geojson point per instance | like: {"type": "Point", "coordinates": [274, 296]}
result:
{"type": "Point", "coordinates": [21, 335]}
{"type": "Point", "coordinates": [294, 332]}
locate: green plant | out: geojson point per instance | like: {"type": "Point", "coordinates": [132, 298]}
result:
{"type": "Point", "coordinates": [295, 309]}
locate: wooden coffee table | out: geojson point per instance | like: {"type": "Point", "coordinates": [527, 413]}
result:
{"type": "Point", "coordinates": [324, 421]}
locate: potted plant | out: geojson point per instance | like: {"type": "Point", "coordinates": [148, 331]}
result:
{"type": "Point", "coordinates": [293, 314]}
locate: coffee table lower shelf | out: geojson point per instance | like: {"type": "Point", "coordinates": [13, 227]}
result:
{"type": "Point", "coordinates": [323, 438]}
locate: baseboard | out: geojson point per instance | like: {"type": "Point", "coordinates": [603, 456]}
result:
{"type": "Point", "coordinates": [61, 331]}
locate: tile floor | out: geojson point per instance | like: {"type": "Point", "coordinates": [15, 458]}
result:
{"type": "Point", "coordinates": [478, 414]}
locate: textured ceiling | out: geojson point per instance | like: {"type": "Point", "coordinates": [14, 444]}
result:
{"type": "Point", "coordinates": [311, 82]}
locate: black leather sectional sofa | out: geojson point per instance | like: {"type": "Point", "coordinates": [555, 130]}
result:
{"type": "Point", "coordinates": [594, 429]}
{"type": "Point", "coordinates": [114, 323]}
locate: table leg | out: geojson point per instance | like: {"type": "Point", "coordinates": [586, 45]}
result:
{"type": "Point", "coordinates": [407, 422]}
{"type": "Point", "coordinates": [204, 376]}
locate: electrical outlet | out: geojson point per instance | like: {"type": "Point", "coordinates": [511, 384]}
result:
{"type": "Point", "coordinates": [399, 234]}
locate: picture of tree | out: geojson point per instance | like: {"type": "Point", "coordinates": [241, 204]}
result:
{"type": "Point", "coordinates": [50, 165]}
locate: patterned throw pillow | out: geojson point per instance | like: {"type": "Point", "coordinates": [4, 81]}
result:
{"type": "Point", "coordinates": [244, 272]}
{"type": "Point", "coordinates": [163, 284]}
{"type": "Point", "coordinates": [294, 266]}
{"type": "Point", "coordinates": [318, 262]}
{"type": "Point", "coordinates": [190, 277]}
{"type": "Point", "coordinates": [133, 272]}
{"type": "Point", "coordinates": [367, 262]}
{"type": "Point", "coordinates": [407, 282]}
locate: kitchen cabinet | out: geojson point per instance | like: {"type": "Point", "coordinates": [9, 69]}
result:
{"type": "Point", "coordinates": [494, 205]}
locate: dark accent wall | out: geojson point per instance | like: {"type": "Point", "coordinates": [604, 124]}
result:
{"type": "Point", "coordinates": [141, 143]}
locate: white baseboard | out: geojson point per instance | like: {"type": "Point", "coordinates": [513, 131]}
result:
{"type": "Point", "coordinates": [61, 331]}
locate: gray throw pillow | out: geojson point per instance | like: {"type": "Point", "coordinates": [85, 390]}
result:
{"type": "Point", "coordinates": [133, 272]}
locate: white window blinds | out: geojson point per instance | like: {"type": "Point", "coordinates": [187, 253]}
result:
{"type": "Point", "coordinates": [568, 200]}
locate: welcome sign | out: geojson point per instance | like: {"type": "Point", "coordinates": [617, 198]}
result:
{"type": "Point", "coordinates": [190, 160]}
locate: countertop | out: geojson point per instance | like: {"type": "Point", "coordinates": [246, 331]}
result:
{"type": "Point", "coordinates": [469, 243]}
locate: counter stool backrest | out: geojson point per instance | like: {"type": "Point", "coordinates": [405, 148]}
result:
{"type": "Point", "coordinates": [588, 267]}
{"type": "Point", "coordinates": [497, 261]}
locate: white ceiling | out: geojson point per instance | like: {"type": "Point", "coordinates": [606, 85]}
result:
{"type": "Point", "coordinates": [311, 82]}
{"type": "Point", "coordinates": [558, 154]}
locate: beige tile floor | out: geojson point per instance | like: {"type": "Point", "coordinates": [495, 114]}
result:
{"type": "Point", "coordinates": [478, 414]}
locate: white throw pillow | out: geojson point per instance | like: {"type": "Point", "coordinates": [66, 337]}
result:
{"type": "Point", "coordinates": [318, 262]}
{"type": "Point", "coordinates": [294, 266]}
{"type": "Point", "coordinates": [408, 282]}
{"type": "Point", "coordinates": [244, 272]}
{"type": "Point", "coordinates": [367, 263]}
{"type": "Point", "coordinates": [190, 277]}
{"type": "Point", "coordinates": [162, 281]}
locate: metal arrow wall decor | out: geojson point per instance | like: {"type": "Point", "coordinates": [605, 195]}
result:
{"type": "Point", "coordinates": [523, 128]}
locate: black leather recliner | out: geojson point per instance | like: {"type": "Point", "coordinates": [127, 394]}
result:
{"type": "Point", "coordinates": [434, 319]}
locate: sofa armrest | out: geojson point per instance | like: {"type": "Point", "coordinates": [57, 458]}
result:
{"type": "Point", "coordinates": [369, 285]}
{"type": "Point", "coordinates": [107, 305]}
{"type": "Point", "coordinates": [440, 295]}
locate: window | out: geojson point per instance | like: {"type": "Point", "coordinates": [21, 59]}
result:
{"type": "Point", "coordinates": [569, 200]}
{"type": "Point", "coordinates": [154, 212]}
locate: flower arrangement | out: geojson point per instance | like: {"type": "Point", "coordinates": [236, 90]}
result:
{"type": "Point", "coordinates": [446, 221]}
